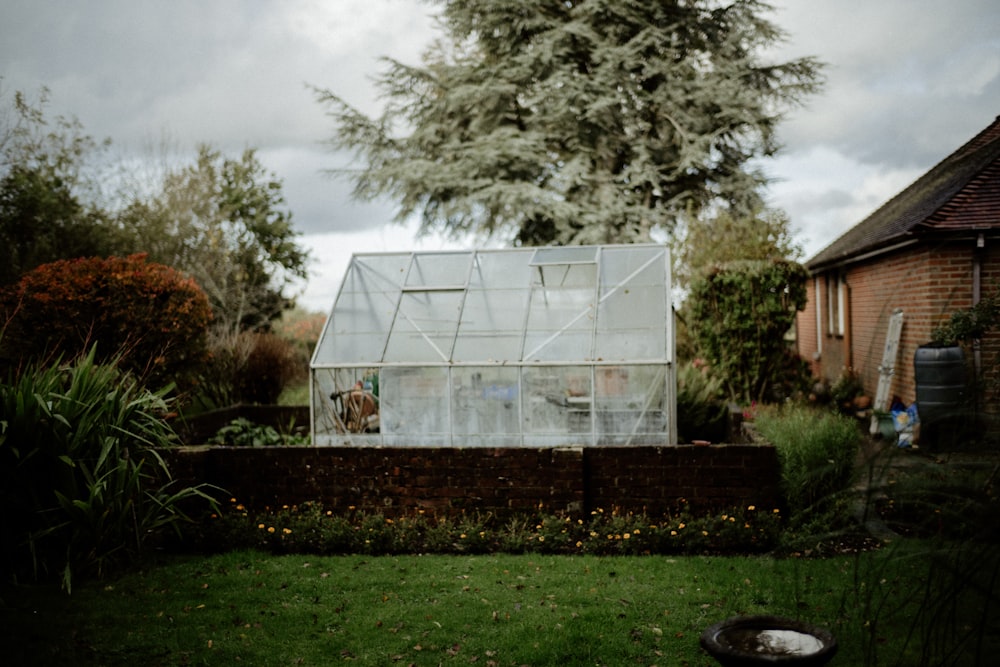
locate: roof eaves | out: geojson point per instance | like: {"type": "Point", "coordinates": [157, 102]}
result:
{"type": "Point", "coordinates": [911, 208]}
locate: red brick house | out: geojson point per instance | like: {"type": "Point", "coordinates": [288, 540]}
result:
{"type": "Point", "coordinates": [932, 250]}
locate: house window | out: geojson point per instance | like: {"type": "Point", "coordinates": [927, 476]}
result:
{"type": "Point", "coordinates": [836, 304]}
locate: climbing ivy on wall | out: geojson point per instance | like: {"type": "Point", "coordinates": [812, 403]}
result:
{"type": "Point", "coordinates": [740, 313]}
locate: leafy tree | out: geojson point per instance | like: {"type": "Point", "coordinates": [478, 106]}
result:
{"type": "Point", "coordinates": [46, 207]}
{"type": "Point", "coordinates": [146, 317]}
{"type": "Point", "coordinates": [703, 241]}
{"type": "Point", "coordinates": [222, 221]}
{"type": "Point", "coordinates": [740, 313]}
{"type": "Point", "coordinates": [219, 219]}
{"type": "Point", "coordinates": [575, 121]}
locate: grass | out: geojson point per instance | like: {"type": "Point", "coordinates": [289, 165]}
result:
{"type": "Point", "coordinates": [250, 608]}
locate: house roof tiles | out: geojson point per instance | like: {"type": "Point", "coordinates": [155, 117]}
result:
{"type": "Point", "coordinates": [962, 192]}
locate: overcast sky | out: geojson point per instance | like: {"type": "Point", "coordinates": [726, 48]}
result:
{"type": "Point", "coordinates": [909, 81]}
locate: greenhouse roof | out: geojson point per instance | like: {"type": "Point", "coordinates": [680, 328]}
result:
{"type": "Point", "coordinates": [571, 304]}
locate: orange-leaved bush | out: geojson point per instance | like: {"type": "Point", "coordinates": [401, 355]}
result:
{"type": "Point", "coordinates": [149, 316]}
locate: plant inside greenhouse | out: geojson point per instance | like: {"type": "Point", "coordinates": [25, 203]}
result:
{"type": "Point", "coordinates": [549, 346]}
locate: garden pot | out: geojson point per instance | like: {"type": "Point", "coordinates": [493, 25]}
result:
{"type": "Point", "coordinates": [749, 641]}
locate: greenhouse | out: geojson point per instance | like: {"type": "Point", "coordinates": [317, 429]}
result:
{"type": "Point", "coordinates": [538, 347]}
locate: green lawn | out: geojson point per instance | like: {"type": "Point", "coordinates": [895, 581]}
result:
{"type": "Point", "coordinates": [256, 609]}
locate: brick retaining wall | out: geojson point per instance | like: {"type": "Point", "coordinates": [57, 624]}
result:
{"type": "Point", "coordinates": [447, 480]}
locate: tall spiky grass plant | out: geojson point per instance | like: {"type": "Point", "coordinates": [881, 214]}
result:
{"type": "Point", "coordinates": [82, 484]}
{"type": "Point", "coordinates": [817, 451]}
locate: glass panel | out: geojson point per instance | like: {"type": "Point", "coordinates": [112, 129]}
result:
{"type": "Point", "coordinates": [500, 269]}
{"type": "Point", "coordinates": [500, 347]}
{"type": "Point", "coordinates": [358, 328]}
{"type": "Point", "coordinates": [346, 406]}
{"type": "Point", "coordinates": [617, 264]}
{"type": "Point", "coordinates": [630, 346]}
{"type": "Point", "coordinates": [439, 270]}
{"type": "Point", "coordinates": [630, 404]}
{"type": "Point", "coordinates": [565, 254]}
{"type": "Point", "coordinates": [414, 406]}
{"type": "Point", "coordinates": [362, 316]}
{"type": "Point", "coordinates": [560, 319]}
{"type": "Point", "coordinates": [566, 275]}
{"type": "Point", "coordinates": [631, 325]}
{"type": "Point", "coordinates": [632, 315]}
{"type": "Point", "coordinates": [381, 272]}
{"type": "Point", "coordinates": [557, 401]}
{"type": "Point", "coordinates": [485, 406]}
{"type": "Point", "coordinates": [491, 325]}
{"type": "Point", "coordinates": [566, 346]}
{"type": "Point", "coordinates": [425, 327]}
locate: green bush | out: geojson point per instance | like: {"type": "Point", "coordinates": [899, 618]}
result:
{"type": "Point", "coordinates": [81, 482]}
{"type": "Point", "coordinates": [147, 317]}
{"type": "Point", "coordinates": [817, 451]}
{"type": "Point", "coordinates": [242, 432]}
{"type": "Point", "coordinates": [739, 315]}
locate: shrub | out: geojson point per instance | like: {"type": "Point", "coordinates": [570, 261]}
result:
{"type": "Point", "coordinates": [740, 313]}
{"type": "Point", "coordinates": [270, 366]}
{"type": "Point", "coordinates": [83, 487]}
{"type": "Point", "coordinates": [242, 432]}
{"type": "Point", "coordinates": [701, 412]}
{"type": "Point", "coordinates": [148, 317]}
{"type": "Point", "coordinates": [227, 357]}
{"type": "Point", "coordinates": [248, 367]}
{"type": "Point", "coordinates": [817, 451]}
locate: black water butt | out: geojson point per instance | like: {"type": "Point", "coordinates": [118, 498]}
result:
{"type": "Point", "coordinates": [943, 396]}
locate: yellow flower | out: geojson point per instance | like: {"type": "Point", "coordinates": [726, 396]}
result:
{"type": "Point", "coordinates": [240, 507]}
{"type": "Point", "coordinates": [270, 529]}
{"type": "Point", "coordinates": [462, 536]}
{"type": "Point", "coordinates": [673, 532]}
{"type": "Point", "coordinates": [286, 531]}
{"type": "Point", "coordinates": [627, 536]}
{"type": "Point", "coordinates": [541, 538]}
{"type": "Point", "coordinates": [579, 544]}
{"type": "Point", "coordinates": [261, 526]}
{"type": "Point", "coordinates": [680, 526]}
{"type": "Point", "coordinates": [751, 508]}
